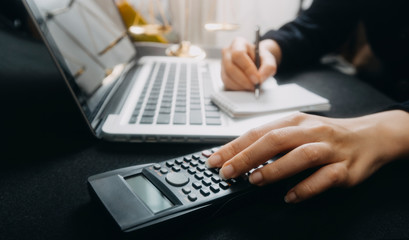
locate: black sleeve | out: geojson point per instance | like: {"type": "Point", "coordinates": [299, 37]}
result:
{"type": "Point", "coordinates": [318, 30]}
{"type": "Point", "coordinates": [400, 106]}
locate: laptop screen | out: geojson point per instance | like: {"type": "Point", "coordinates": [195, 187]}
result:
{"type": "Point", "coordinates": [89, 42]}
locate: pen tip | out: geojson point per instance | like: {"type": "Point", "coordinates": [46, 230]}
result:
{"type": "Point", "coordinates": [257, 93]}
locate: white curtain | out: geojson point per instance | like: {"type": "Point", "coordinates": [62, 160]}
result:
{"type": "Point", "coordinates": [268, 14]}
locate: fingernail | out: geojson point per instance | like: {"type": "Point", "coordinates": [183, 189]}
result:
{"type": "Point", "coordinates": [290, 197]}
{"type": "Point", "coordinates": [256, 178]}
{"type": "Point", "coordinates": [254, 79]}
{"type": "Point", "coordinates": [226, 172]}
{"type": "Point", "coordinates": [213, 161]}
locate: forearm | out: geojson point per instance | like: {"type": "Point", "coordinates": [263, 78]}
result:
{"type": "Point", "coordinates": [320, 29]}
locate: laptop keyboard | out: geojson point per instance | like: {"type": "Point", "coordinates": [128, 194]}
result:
{"type": "Point", "coordinates": [175, 94]}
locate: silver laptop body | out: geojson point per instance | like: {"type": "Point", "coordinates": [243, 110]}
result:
{"type": "Point", "coordinates": [126, 98]}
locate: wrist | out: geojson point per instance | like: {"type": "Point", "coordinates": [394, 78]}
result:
{"type": "Point", "coordinates": [396, 128]}
{"type": "Point", "coordinates": [273, 47]}
{"type": "Point", "coordinates": [389, 133]}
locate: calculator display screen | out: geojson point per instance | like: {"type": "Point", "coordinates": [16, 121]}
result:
{"type": "Point", "coordinates": [148, 193]}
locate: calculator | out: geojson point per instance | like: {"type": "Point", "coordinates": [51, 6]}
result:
{"type": "Point", "coordinates": [144, 195]}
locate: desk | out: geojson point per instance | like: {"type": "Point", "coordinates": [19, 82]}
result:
{"type": "Point", "coordinates": [45, 166]}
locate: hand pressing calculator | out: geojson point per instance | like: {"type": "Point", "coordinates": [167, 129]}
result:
{"type": "Point", "coordinates": [143, 195]}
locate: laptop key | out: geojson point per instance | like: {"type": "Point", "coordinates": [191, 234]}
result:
{"type": "Point", "coordinates": [195, 106]}
{"type": "Point", "coordinates": [180, 109]}
{"type": "Point", "coordinates": [181, 103]}
{"type": "Point", "coordinates": [166, 104]}
{"type": "Point", "coordinates": [196, 117]}
{"type": "Point", "coordinates": [163, 119]}
{"type": "Point", "coordinates": [194, 100]}
{"type": "Point", "coordinates": [152, 99]}
{"type": "Point", "coordinates": [133, 120]}
{"type": "Point", "coordinates": [212, 114]}
{"type": "Point", "coordinates": [148, 113]}
{"type": "Point", "coordinates": [167, 97]}
{"type": "Point", "coordinates": [146, 120]}
{"type": "Point", "coordinates": [150, 107]}
{"type": "Point", "coordinates": [213, 121]}
{"type": "Point", "coordinates": [179, 118]}
{"type": "Point", "coordinates": [211, 108]}
{"type": "Point", "coordinates": [181, 94]}
{"type": "Point", "coordinates": [164, 110]}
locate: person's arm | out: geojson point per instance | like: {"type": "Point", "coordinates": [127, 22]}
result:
{"type": "Point", "coordinates": [321, 28]}
{"type": "Point", "coordinates": [318, 30]}
{"type": "Point", "coordinates": [345, 151]}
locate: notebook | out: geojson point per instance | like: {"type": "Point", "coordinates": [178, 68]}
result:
{"type": "Point", "coordinates": [287, 97]}
{"type": "Point", "coordinates": [124, 97]}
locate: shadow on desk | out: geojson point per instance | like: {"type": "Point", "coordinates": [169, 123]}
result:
{"type": "Point", "coordinates": [40, 119]}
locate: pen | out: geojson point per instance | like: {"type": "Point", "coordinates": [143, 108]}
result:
{"type": "Point", "coordinates": [257, 61]}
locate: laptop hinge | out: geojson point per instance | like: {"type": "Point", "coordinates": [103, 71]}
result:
{"type": "Point", "coordinates": [114, 102]}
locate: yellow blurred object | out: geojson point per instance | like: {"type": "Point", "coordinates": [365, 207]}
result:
{"type": "Point", "coordinates": [134, 21]}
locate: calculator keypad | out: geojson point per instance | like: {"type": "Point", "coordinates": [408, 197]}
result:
{"type": "Point", "coordinates": [194, 179]}
{"type": "Point", "coordinates": [192, 176]}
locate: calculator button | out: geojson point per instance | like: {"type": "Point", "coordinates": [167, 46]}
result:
{"type": "Point", "coordinates": [185, 166]}
{"type": "Point", "coordinates": [216, 179]}
{"type": "Point", "coordinates": [195, 156]}
{"type": "Point", "coordinates": [201, 168]}
{"type": "Point", "coordinates": [194, 163]}
{"type": "Point", "coordinates": [197, 185]}
{"type": "Point", "coordinates": [202, 161]}
{"type": "Point", "coordinates": [224, 185]}
{"type": "Point", "coordinates": [176, 168]}
{"type": "Point", "coordinates": [208, 173]}
{"type": "Point", "coordinates": [157, 166]}
{"type": "Point", "coordinates": [215, 188]}
{"type": "Point", "coordinates": [177, 179]}
{"type": "Point", "coordinates": [187, 159]}
{"type": "Point", "coordinates": [214, 149]}
{"type": "Point", "coordinates": [215, 170]}
{"type": "Point", "coordinates": [206, 182]}
{"type": "Point", "coordinates": [186, 190]}
{"type": "Point", "coordinates": [204, 192]}
{"type": "Point", "coordinates": [269, 161]}
{"type": "Point", "coordinates": [232, 181]}
{"type": "Point", "coordinates": [199, 176]}
{"type": "Point", "coordinates": [191, 171]}
{"type": "Point", "coordinates": [164, 171]}
{"type": "Point", "coordinates": [170, 163]}
{"type": "Point", "coordinates": [192, 197]}
{"type": "Point", "coordinates": [179, 161]}
{"type": "Point", "coordinates": [207, 153]}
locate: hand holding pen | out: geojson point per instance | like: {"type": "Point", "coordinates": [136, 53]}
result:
{"type": "Point", "coordinates": [240, 68]}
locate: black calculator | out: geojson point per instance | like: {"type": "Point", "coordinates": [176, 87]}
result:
{"type": "Point", "coordinates": [143, 195]}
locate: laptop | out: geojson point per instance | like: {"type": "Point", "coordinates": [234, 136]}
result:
{"type": "Point", "coordinates": [124, 97]}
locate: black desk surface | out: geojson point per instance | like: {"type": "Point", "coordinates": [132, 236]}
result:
{"type": "Point", "coordinates": [48, 154]}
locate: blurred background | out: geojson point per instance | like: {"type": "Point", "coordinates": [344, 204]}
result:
{"type": "Point", "coordinates": [187, 18]}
